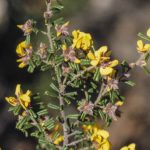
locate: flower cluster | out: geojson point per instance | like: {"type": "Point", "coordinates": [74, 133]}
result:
{"type": "Point", "coordinates": [101, 58]}
{"type": "Point", "coordinates": [21, 98]}
{"type": "Point", "coordinates": [24, 51]}
{"type": "Point", "coordinates": [98, 137]}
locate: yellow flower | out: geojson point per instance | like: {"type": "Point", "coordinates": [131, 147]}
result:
{"type": "Point", "coordinates": [21, 98]}
{"type": "Point", "coordinates": [119, 103]}
{"type": "Point", "coordinates": [23, 51]}
{"type": "Point", "coordinates": [58, 140]}
{"type": "Point", "coordinates": [107, 69]}
{"type": "Point", "coordinates": [99, 137]}
{"type": "Point", "coordinates": [131, 146]}
{"type": "Point", "coordinates": [99, 56]}
{"type": "Point", "coordinates": [81, 40]}
{"type": "Point", "coordinates": [141, 47]}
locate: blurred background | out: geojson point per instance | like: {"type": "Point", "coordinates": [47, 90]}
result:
{"type": "Point", "coordinates": [112, 22]}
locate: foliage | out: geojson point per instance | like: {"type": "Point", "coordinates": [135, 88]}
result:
{"type": "Point", "coordinates": [80, 75]}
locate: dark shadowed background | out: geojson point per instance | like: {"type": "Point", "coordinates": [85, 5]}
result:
{"type": "Point", "coordinates": [112, 22]}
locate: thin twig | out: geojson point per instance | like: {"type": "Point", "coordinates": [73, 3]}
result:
{"type": "Point", "coordinates": [101, 94]}
{"type": "Point", "coordinates": [61, 89]}
{"type": "Point", "coordinates": [49, 27]}
{"type": "Point", "coordinates": [62, 112]}
{"type": "Point", "coordinates": [77, 142]}
{"type": "Point", "coordinates": [74, 133]}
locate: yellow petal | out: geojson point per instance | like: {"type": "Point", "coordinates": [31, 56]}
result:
{"type": "Point", "coordinates": [90, 55]}
{"type": "Point", "coordinates": [119, 103]}
{"type": "Point", "coordinates": [20, 48]}
{"type": "Point", "coordinates": [113, 63]}
{"type": "Point", "coordinates": [132, 146]}
{"type": "Point", "coordinates": [103, 49]}
{"type": "Point", "coordinates": [66, 24]}
{"type": "Point", "coordinates": [106, 71]}
{"type": "Point", "coordinates": [64, 47]}
{"type": "Point", "coordinates": [140, 45]}
{"type": "Point", "coordinates": [75, 34]}
{"type": "Point", "coordinates": [146, 47]}
{"type": "Point", "coordinates": [20, 26]}
{"type": "Point", "coordinates": [58, 34]}
{"type": "Point", "coordinates": [106, 145]}
{"type": "Point", "coordinates": [22, 65]}
{"type": "Point", "coordinates": [124, 148]}
{"type": "Point", "coordinates": [18, 90]}
{"type": "Point", "coordinates": [104, 134]}
{"type": "Point", "coordinates": [77, 61]}
{"type": "Point", "coordinates": [94, 62]}
{"type": "Point", "coordinates": [24, 100]}
{"type": "Point", "coordinates": [11, 100]}
{"type": "Point", "coordinates": [29, 93]}
{"type": "Point", "coordinates": [148, 32]}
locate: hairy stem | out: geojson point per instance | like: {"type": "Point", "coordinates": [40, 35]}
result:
{"type": "Point", "coordinates": [62, 112]}
{"type": "Point", "coordinates": [100, 94]}
{"type": "Point", "coordinates": [77, 142]}
{"type": "Point", "coordinates": [61, 89]}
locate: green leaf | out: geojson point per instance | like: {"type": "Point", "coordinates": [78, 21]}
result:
{"type": "Point", "coordinates": [59, 60]}
{"type": "Point", "coordinates": [85, 62]}
{"type": "Point", "coordinates": [42, 112]}
{"type": "Point", "coordinates": [141, 35]}
{"type": "Point", "coordinates": [51, 93]}
{"type": "Point", "coordinates": [146, 57]}
{"type": "Point", "coordinates": [67, 100]}
{"type": "Point", "coordinates": [53, 106]}
{"type": "Point", "coordinates": [130, 83]}
{"type": "Point", "coordinates": [28, 39]}
{"type": "Point", "coordinates": [53, 86]}
{"type": "Point", "coordinates": [22, 122]}
{"type": "Point", "coordinates": [30, 69]}
{"type": "Point", "coordinates": [97, 75]}
{"type": "Point", "coordinates": [57, 8]}
{"type": "Point", "coordinates": [32, 114]}
{"type": "Point", "coordinates": [45, 67]}
{"type": "Point", "coordinates": [49, 124]}
{"type": "Point", "coordinates": [94, 86]}
{"type": "Point", "coordinates": [73, 116]}
{"type": "Point", "coordinates": [71, 95]}
{"type": "Point", "coordinates": [147, 71]}
{"type": "Point", "coordinates": [15, 109]}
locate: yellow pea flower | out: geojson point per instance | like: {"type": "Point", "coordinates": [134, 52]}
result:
{"type": "Point", "coordinates": [99, 137]}
{"type": "Point", "coordinates": [141, 47]}
{"type": "Point", "coordinates": [108, 68]}
{"type": "Point", "coordinates": [21, 98]}
{"type": "Point", "coordinates": [99, 56]}
{"type": "Point", "coordinates": [23, 51]}
{"type": "Point", "coordinates": [131, 146]}
{"type": "Point", "coordinates": [81, 40]}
